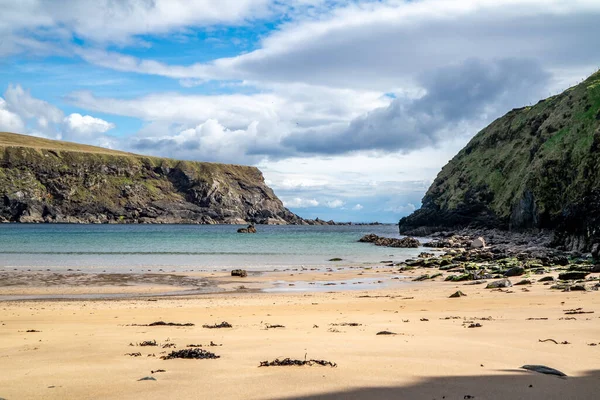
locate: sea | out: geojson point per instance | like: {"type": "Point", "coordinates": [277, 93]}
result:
{"type": "Point", "coordinates": [182, 248]}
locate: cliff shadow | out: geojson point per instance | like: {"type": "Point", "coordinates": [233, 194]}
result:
{"type": "Point", "coordinates": [514, 385]}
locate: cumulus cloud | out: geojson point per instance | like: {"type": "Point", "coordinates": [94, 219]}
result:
{"type": "Point", "coordinates": [108, 21]}
{"type": "Point", "coordinates": [246, 128]}
{"type": "Point", "coordinates": [337, 203]}
{"type": "Point", "coordinates": [298, 202]}
{"type": "Point", "coordinates": [208, 141]}
{"type": "Point", "coordinates": [357, 207]}
{"type": "Point", "coordinates": [22, 103]}
{"type": "Point", "coordinates": [382, 44]}
{"type": "Point", "coordinates": [47, 27]}
{"type": "Point", "coordinates": [9, 121]}
{"type": "Point", "coordinates": [85, 125]}
{"type": "Point", "coordinates": [238, 128]}
{"type": "Point", "coordinates": [20, 112]}
{"type": "Point", "coordinates": [469, 93]}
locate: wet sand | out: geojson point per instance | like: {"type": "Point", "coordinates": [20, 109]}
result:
{"type": "Point", "coordinates": [80, 349]}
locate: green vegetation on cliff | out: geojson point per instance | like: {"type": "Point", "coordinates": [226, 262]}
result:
{"type": "Point", "coordinates": [535, 167]}
{"type": "Point", "coordinates": [51, 181]}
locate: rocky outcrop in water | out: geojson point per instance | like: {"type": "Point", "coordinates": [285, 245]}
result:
{"type": "Point", "coordinates": [536, 168]}
{"type": "Point", "coordinates": [48, 181]}
{"type": "Point", "coordinates": [406, 242]}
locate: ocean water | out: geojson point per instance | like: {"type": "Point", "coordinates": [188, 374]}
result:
{"type": "Point", "coordinates": [119, 248]}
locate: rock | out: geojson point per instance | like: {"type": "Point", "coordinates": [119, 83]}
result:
{"type": "Point", "coordinates": [515, 271]}
{"type": "Point", "coordinates": [457, 294]}
{"type": "Point", "coordinates": [335, 259]}
{"type": "Point", "coordinates": [147, 378]}
{"type": "Point", "coordinates": [425, 254]}
{"type": "Point", "coordinates": [503, 283]}
{"type": "Point", "coordinates": [406, 242]}
{"type": "Point", "coordinates": [249, 229]}
{"type": "Point", "coordinates": [242, 273]}
{"type": "Point", "coordinates": [523, 282]}
{"type": "Point", "coordinates": [478, 243]}
{"type": "Point", "coordinates": [477, 282]}
{"type": "Point", "coordinates": [542, 369]}
{"type": "Point", "coordinates": [573, 275]}
{"type": "Point", "coordinates": [546, 279]}
{"type": "Point", "coordinates": [578, 288]}
{"type": "Point", "coordinates": [458, 278]}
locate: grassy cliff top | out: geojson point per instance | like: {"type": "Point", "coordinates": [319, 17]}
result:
{"type": "Point", "coordinates": [53, 154]}
{"type": "Point", "coordinates": [8, 139]}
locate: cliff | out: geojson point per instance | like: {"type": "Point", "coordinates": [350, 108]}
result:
{"type": "Point", "coordinates": [534, 168]}
{"type": "Point", "coordinates": [51, 181]}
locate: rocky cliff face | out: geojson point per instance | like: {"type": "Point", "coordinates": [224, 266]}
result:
{"type": "Point", "coordinates": [535, 168]}
{"type": "Point", "coordinates": [49, 181]}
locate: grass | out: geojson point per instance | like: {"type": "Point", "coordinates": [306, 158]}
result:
{"type": "Point", "coordinates": [13, 139]}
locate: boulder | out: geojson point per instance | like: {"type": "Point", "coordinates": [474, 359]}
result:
{"type": "Point", "coordinates": [406, 242]}
{"type": "Point", "coordinates": [457, 294]}
{"type": "Point", "coordinates": [573, 275]}
{"type": "Point", "coordinates": [523, 282]}
{"type": "Point", "coordinates": [249, 229]}
{"type": "Point", "coordinates": [579, 287]}
{"type": "Point", "coordinates": [515, 271]}
{"type": "Point", "coordinates": [478, 243]}
{"type": "Point", "coordinates": [503, 283]}
{"type": "Point", "coordinates": [242, 273]}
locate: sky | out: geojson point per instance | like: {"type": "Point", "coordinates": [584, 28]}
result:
{"type": "Point", "coordinates": [350, 108]}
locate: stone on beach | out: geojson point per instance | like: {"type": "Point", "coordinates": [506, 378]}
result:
{"type": "Point", "coordinates": [515, 271]}
{"type": "Point", "coordinates": [406, 242]}
{"type": "Point", "coordinates": [242, 273]}
{"type": "Point", "coordinates": [478, 243]}
{"type": "Point", "coordinates": [542, 369]}
{"type": "Point", "coordinates": [503, 283]}
{"type": "Point", "coordinates": [573, 275]}
{"type": "Point", "coordinates": [456, 294]}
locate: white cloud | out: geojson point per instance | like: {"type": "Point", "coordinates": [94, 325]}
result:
{"type": "Point", "coordinates": [79, 126]}
{"type": "Point", "coordinates": [108, 21]}
{"type": "Point", "coordinates": [357, 207]}
{"type": "Point", "coordinates": [401, 209]}
{"type": "Point", "coordinates": [9, 121]}
{"type": "Point", "coordinates": [20, 112]}
{"type": "Point", "coordinates": [22, 103]}
{"type": "Point", "coordinates": [298, 202]}
{"type": "Point", "coordinates": [382, 45]}
{"type": "Point", "coordinates": [335, 203]}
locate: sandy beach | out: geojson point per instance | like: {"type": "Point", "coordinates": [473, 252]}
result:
{"type": "Point", "coordinates": [80, 348]}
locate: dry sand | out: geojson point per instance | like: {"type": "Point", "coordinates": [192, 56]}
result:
{"type": "Point", "coordinates": [79, 351]}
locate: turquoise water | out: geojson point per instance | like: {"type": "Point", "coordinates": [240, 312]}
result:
{"type": "Point", "coordinates": [118, 248]}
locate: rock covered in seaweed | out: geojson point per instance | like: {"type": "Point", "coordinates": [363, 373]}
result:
{"type": "Point", "coordinates": [406, 242]}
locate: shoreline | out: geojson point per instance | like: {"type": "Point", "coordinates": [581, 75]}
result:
{"type": "Point", "coordinates": [36, 285]}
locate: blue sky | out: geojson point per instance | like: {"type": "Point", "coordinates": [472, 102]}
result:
{"type": "Point", "coordinates": [349, 107]}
